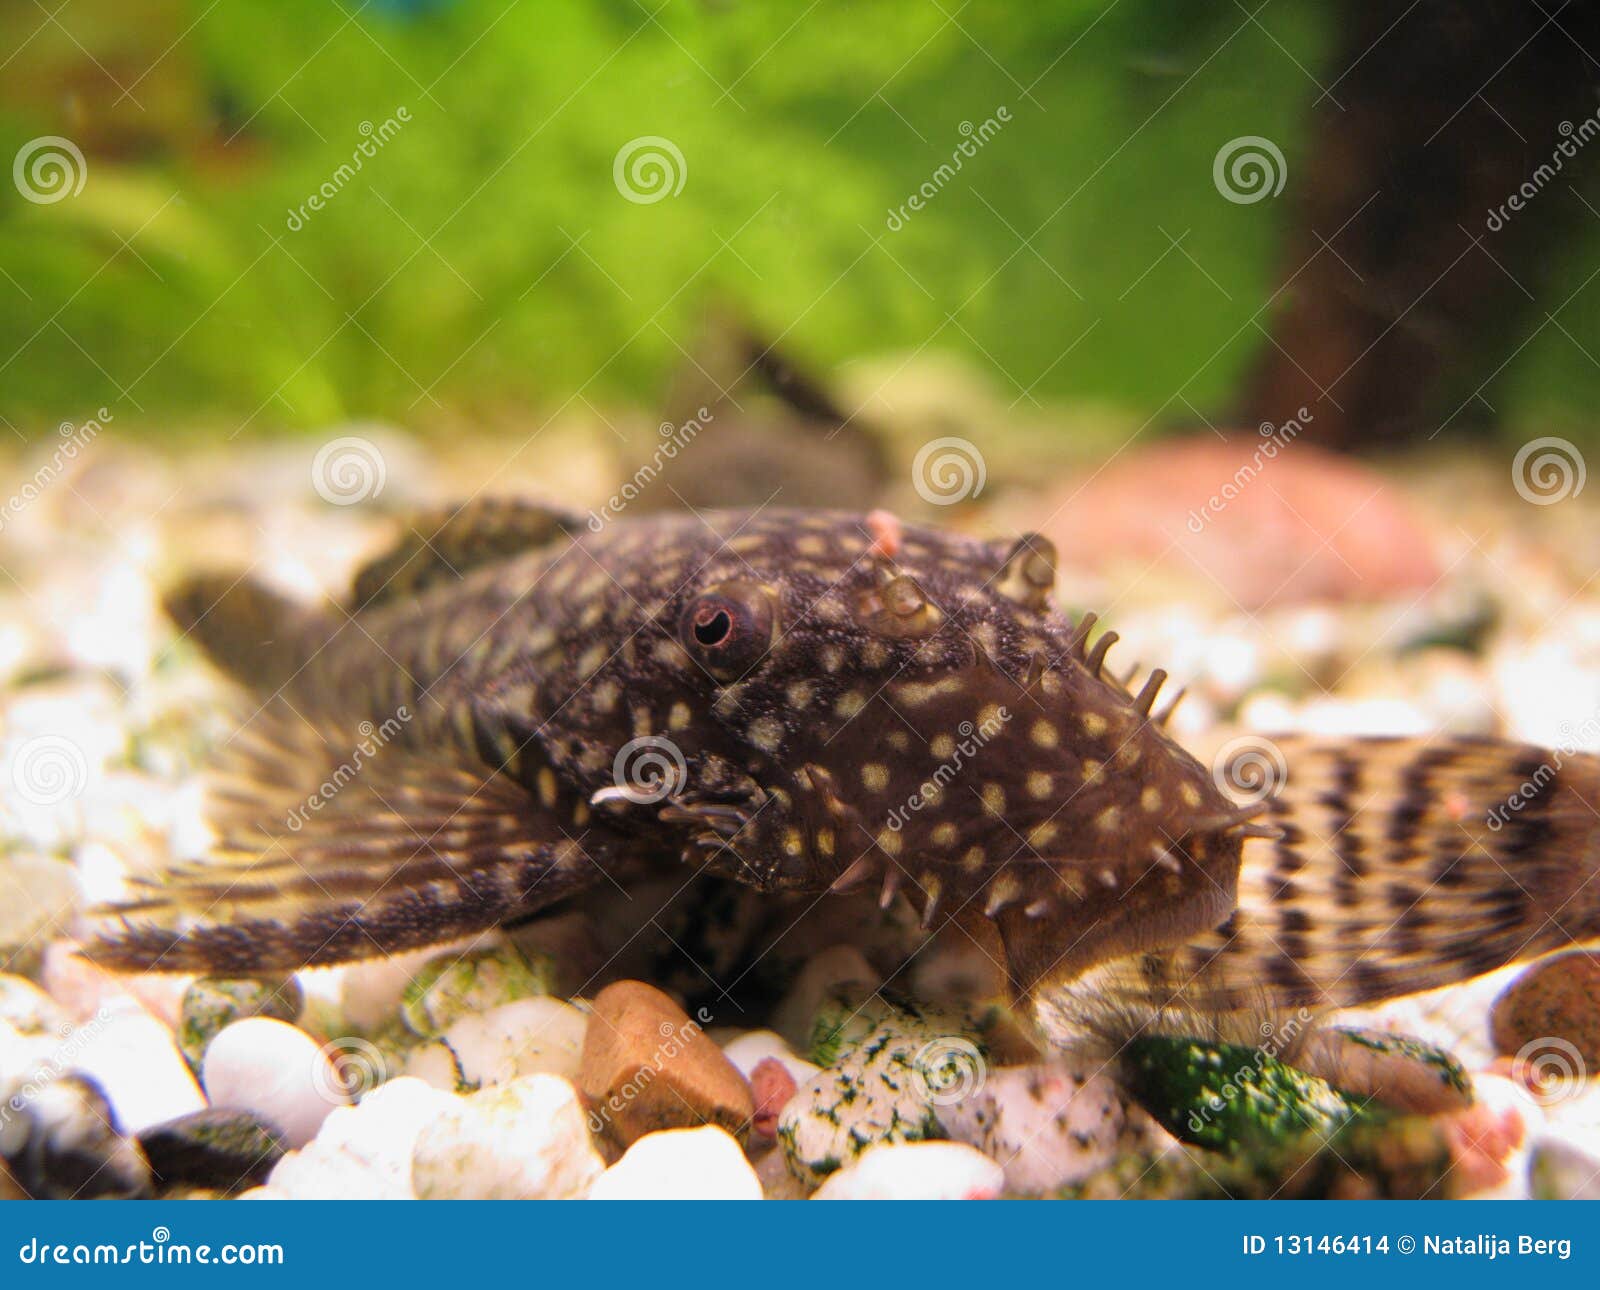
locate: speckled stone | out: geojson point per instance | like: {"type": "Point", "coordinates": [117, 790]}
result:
{"type": "Point", "coordinates": [893, 1069]}
{"type": "Point", "coordinates": [1556, 999]}
{"type": "Point", "coordinates": [1048, 1125]}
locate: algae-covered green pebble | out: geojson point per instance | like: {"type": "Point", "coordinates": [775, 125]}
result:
{"type": "Point", "coordinates": [1229, 1097]}
{"type": "Point", "coordinates": [454, 985]}
{"type": "Point", "coordinates": [211, 1004]}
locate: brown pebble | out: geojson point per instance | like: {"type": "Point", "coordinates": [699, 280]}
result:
{"type": "Point", "coordinates": [1558, 999]}
{"type": "Point", "coordinates": [647, 1066]}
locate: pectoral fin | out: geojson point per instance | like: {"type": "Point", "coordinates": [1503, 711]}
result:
{"type": "Point", "coordinates": [330, 853]}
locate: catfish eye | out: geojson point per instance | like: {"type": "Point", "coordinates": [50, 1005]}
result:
{"type": "Point", "coordinates": [713, 625]}
{"type": "Point", "coordinates": [727, 630]}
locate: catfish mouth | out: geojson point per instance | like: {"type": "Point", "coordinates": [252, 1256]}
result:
{"type": "Point", "coordinates": [1158, 911]}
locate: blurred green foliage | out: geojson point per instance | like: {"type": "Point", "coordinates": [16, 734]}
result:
{"type": "Point", "coordinates": [483, 258]}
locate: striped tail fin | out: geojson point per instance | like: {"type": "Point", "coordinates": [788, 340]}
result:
{"type": "Point", "coordinates": [1404, 865]}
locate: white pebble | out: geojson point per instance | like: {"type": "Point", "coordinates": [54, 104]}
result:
{"type": "Point", "coordinates": [435, 1064]}
{"type": "Point", "coordinates": [364, 1151]}
{"type": "Point", "coordinates": [370, 991]}
{"type": "Point", "coordinates": [276, 1070]}
{"type": "Point", "coordinates": [526, 1140]}
{"type": "Point", "coordinates": [680, 1164]}
{"type": "Point", "coordinates": [917, 1171]}
{"type": "Point", "coordinates": [535, 1036]}
{"type": "Point", "coordinates": [136, 1063]}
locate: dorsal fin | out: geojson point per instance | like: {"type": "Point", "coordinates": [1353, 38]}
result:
{"type": "Point", "coordinates": [441, 545]}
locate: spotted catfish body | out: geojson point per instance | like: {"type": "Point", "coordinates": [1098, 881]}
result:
{"type": "Point", "coordinates": [513, 708]}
